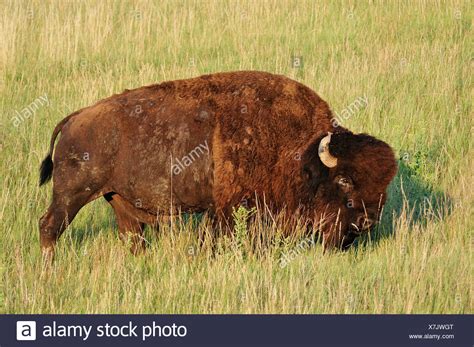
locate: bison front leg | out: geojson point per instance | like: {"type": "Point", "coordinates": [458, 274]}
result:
{"type": "Point", "coordinates": [131, 232]}
{"type": "Point", "coordinates": [129, 227]}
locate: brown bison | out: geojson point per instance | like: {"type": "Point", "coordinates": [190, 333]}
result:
{"type": "Point", "coordinates": [206, 144]}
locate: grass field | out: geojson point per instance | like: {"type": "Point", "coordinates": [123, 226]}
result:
{"type": "Point", "coordinates": [412, 61]}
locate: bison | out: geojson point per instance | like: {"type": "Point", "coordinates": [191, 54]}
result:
{"type": "Point", "coordinates": [207, 143]}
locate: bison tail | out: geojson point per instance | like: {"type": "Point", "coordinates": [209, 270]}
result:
{"type": "Point", "coordinates": [46, 170]}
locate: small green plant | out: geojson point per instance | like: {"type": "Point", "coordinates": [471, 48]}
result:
{"type": "Point", "coordinates": [241, 217]}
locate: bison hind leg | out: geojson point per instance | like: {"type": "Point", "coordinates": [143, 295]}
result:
{"type": "Point", "coordinates": [130, 228]}
{"type": "Point", "coordinates": [59, 215]}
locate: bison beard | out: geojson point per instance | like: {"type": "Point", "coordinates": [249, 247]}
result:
{"type": "Point", "coordinates": [267, 137]}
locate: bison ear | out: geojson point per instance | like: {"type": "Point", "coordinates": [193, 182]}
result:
{"type": "Point", "coordinates": [313, 175]}
{"type": "Point", "coordinates": [313, 171]}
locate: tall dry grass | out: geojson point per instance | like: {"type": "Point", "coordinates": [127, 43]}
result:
{"type": "Point", "coordinates": [410, 59]}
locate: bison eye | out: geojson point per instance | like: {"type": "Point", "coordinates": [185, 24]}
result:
{"type": "Point", "coordinates": [345, 183]}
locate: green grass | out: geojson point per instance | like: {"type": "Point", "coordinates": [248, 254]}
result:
{"type": "Point", "coordinates": [411, 59]}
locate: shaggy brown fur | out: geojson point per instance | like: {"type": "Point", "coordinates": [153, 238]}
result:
{"type": "Point", "coordinates": [207, 143]}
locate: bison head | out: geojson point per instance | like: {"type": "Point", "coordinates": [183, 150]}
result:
{"type": "Point", "coordinates": [348, 176]}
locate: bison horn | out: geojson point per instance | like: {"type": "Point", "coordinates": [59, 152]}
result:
{"type": "Point", "coordinates": [323, 152]}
